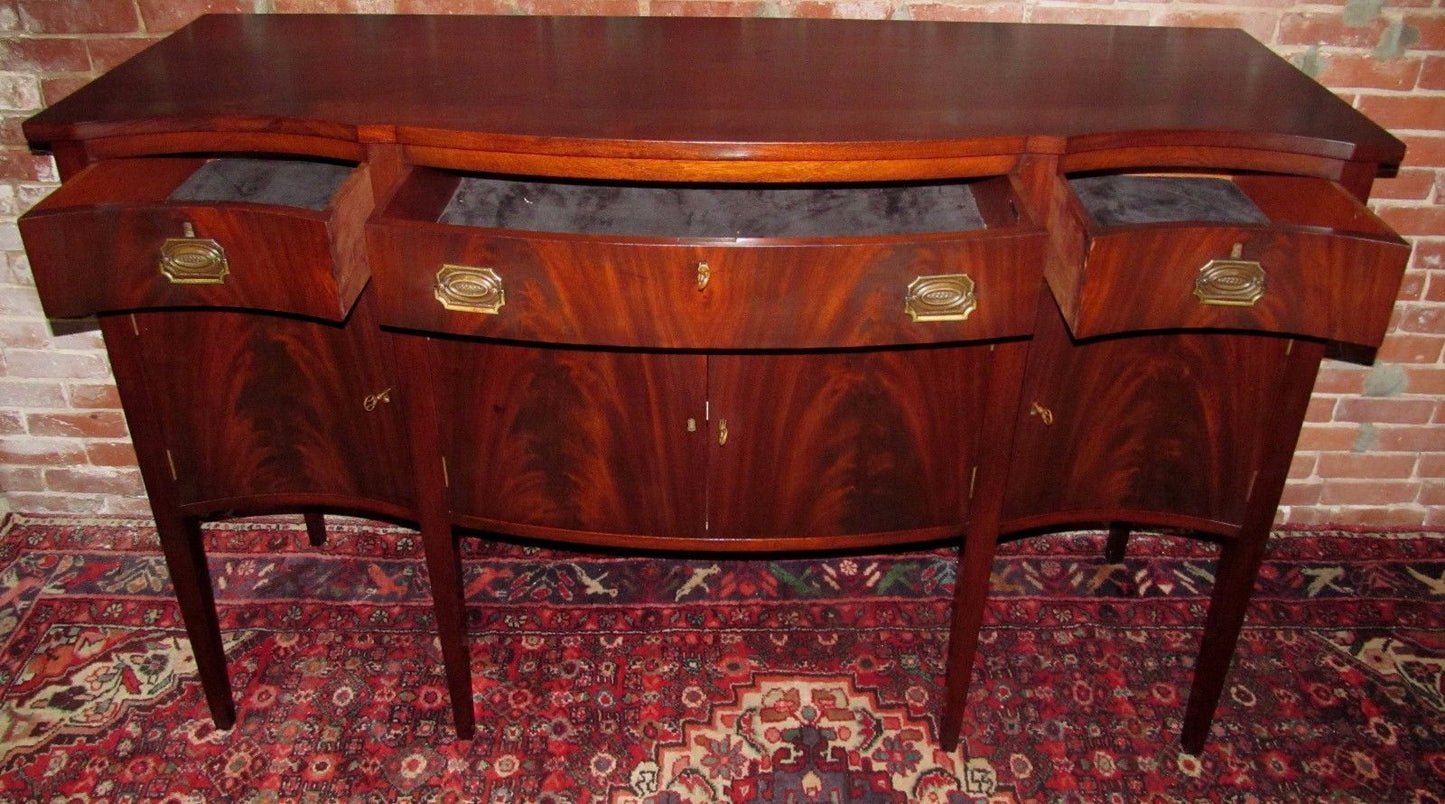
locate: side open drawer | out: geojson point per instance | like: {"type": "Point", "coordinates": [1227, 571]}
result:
{"type": "Point", "coordinates": [269, 234]}
{"type": "Point", "coordinates": [1285, 254]}
{"type": "Point", "coordinates": [650, 266]}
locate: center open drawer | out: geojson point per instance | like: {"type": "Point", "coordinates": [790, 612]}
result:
{"type": "Point", "coordinates": [715, 267]}
{"type": "Point", "coordinates": [283, 235]}
{"type": "Point", "coordinates": [1287, 254]}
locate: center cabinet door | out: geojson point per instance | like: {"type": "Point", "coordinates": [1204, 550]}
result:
{"type": "Point", "coordinates": [874, 444]}
{"type": "Point", "coordinates": [540, 440]}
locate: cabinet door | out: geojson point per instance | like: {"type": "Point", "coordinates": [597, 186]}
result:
{"type": "Point", "coordinates": [1165, 425]}
{"type": "Point", "coordinates": [262, 405]}
{"type": "Point", "coordinates": [875, 443]}
{"type": "Point", "coordinates": [540, 440]}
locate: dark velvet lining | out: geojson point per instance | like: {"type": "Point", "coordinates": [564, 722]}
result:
{"type": "Point", "coordinates": [1120, 200]}
{"type": "Point", "coordinates": [281, 182]}
{"type": "Point", "coordinates": [650, 211]}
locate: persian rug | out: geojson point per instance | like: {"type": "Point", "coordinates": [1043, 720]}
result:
{"type": "Point", "coordinates": [604, 678]}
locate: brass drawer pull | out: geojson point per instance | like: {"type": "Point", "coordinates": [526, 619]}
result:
{"type": "Point", "coordinates": [193, 261]}
{"type": "Point", "coordinates": [1232, 283]}
{"type": "Point", "coordinates": [941, 297]}
{"type": "Point", "coordinates": [467, 289]}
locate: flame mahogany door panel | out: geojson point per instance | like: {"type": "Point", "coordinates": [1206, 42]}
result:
{"type": "Point", "coordinates": [825, 444]}
{"type": "Point", "coordinates": [570, 442]}
{"type": "Point", "coordinates": [1169, 425]}
{"type": "Point", "coordinates": [257, 405]}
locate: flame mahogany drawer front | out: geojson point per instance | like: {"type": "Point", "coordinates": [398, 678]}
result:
{"type": "Point", "coordinates": [127, 234]}
{"type": "Point", "coordinates": [596, 281]}
{"type": "Point", "coordinates": [1286, 254]}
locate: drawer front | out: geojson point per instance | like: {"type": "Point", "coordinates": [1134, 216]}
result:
{"type": "Point", "coordinates": [92, 252]}
{"type": "Point", "coordinates": [580, 290]}
{"type": "Point", "coordinates": [1333, 286]}
{"type": "Point", "coordinates": [1322, 266]}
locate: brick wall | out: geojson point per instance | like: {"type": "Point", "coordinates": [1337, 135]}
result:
{"type": "Point", "coordinates": [1373, 450]}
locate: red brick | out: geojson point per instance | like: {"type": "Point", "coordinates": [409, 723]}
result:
{"type": "Point", "coordinates": [1405, 111]}
{"type": "Point", "coordinates": [21, 165]}
{"type": "Point", "coordinates": [50, 55]}
{"type": "Point", "coordinates": [1302, 465]}
{"type": "Point", "coordinates": [24, 334]}
{"type": "Point", "coordinates": [31, 394]}
{"type": "Point", "coordinates": [1321, 409]}
{"type": "Point", "coordinates": [56, 365]}
{"type": "Point", "coordinates": [1412, 184]}
{"type": "Point", "coordinates": [1090, 16]}
{"type": "Point", "coordinates": [1412, 286]}
{"type": "Point", "coordinates": [95, 480]}
{"type": "Point", "coordinates": [1340, 378]}
{"type": "Point", "coordinates": [95, 424]}
{"type": "Point", "coordinates": [86, 395]}
{"type": "Point", "coordinates": [1327, 27]}
{"type": "Point", "coordinates": [1258, 24]}
{"type": "Point", "coordinates": [970, 12]}
{"type": "Point", "coordinates": [29, 451]}
{"type": "Point", "coordinates": [1429, 254]}
{"type": "Point", "coordinates": [49, 503]}
{"type": "Point", "coordinates": [108, 54]}
{"type": "Point", "coordinates": [1411, 348]}
{"type": "Point", "coordinates": [1431, 26]}
{"type": "Point", "coordinates": [1328, 437]}
{"type": "Point", "coordinates": [11, 422]}
{"type": "Point", "coordinates": [1424, 150]}
{"type": "Point", "coordinates": [1432, 73]}
{"type": "Point", "coordinates": [1406, 438]}
{"type": "Point", "coordinates": [621, 8]}
{"type": "Point", "coordinates": [1366, 71]}
{"type": "Point", "coordinates": [1432, 493]}
{"type": "Point", "coordinates": [1425, 380]}
{"type": "Point", "coordinates": [21, 478]}
{"type": "Point", "coordinates": [1301, 493]}
{"type": "Point", "coordinates": [77, 16]}
{"type": "Point", "coordinates": [111, 453]}
{"type": "Point", "coordinates": [1383, 466]}
{"type": "Point", "coordinates": [1431, 466]}
{"type": "Point", "coordinates": [1420, 318]}
{"type": "Point", "coordinates": [1424, 221]}
{"type": "Point", "coordinates": [707, 8]}
{"type": "Point", "coordinates": [53, 90]}
{"type": "Point", "coordinates": [167, 15]}
{"type": "Point", "coordinates": [1376, 516]}
{"type": "Point", "coordinates": [843, 9]}
{"type": "Point", "coordinates": [1367, 492]}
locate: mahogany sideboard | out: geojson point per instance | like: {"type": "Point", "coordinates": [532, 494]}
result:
{"type": "Point", "coordinates": [707, 285]}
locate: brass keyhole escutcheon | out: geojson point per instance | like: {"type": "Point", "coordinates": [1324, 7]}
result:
{"type": "Point", "coordinates": [692, 425]}
{"type": "Point", "coordinates": [722, 432]}
{"type": "Point", "coordinates": [704, 274]}
{"type": "Point", "coordinates": [1045, 415]}
{"type": "Point", "coordinates": [369, 403]}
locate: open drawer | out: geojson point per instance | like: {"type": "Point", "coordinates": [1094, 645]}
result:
{"type": "Point", "coordinates": [713, 267]}
{"type": "Point", "coordinates": [1283, 254]}
{"type": "Point", "coordinates": [270, 234]}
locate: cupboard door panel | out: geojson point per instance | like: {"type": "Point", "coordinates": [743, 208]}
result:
{"type": "Point", "coordinates": [257, 405]}
{"type": "Point", "coordinates": [578, 440]}
{"type": "Point", "coordinates": [832, 444]}
{"type": "Point", "coordinates": [1156, 424]}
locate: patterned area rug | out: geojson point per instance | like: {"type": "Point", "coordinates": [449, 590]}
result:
{"type": "Point", "coordinates": [608, 679]}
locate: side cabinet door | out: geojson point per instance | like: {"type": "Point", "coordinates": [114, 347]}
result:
{"type": "Point", "coordinates": [572, 439]}
{"type": "Point", "coordinates": [843, 443]}
{"type": "Point", "coordinates": [1158, 424]}
{"type": "Point", "coordinates": [257, 404]}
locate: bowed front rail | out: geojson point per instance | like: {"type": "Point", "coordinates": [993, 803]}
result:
{"type": "Point", "coordinates": [716, 285]}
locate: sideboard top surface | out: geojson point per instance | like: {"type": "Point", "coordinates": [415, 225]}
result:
{"type": "Point", "coordinates": [716, 88]}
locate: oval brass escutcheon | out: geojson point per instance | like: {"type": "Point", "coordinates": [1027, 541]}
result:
{"type": "Point", "coordinates": [193, 261]}
{"type": "Point", "coordinates": [941, 297]}
{"type": "Point", "coordinates": [470, 289]}
{"type": "Point", "coordinates": [704, 275]}
{"type": "Point", "coordinates": [1231, 283]}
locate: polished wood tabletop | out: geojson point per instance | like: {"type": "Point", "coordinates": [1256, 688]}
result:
{"type": "Point", "coordinates": [717, 88]}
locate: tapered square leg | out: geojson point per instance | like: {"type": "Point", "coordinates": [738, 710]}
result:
{"type": "Point", "coordinates": [190, 575]}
